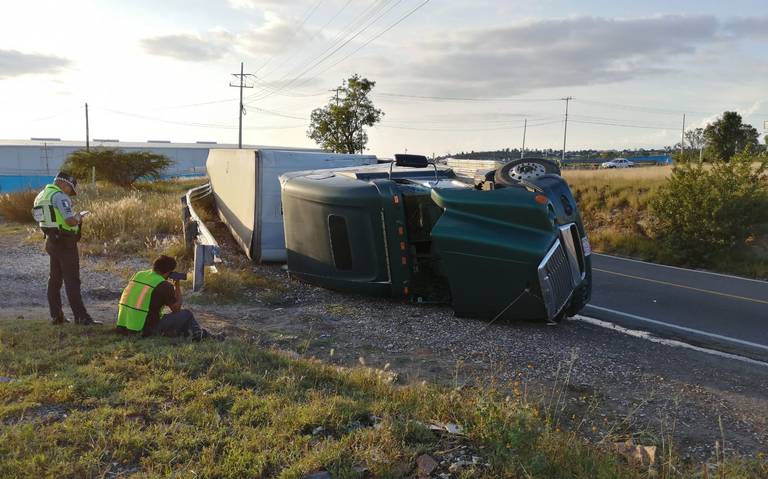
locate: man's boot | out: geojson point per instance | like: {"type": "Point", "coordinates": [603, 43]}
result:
{"type": "Point", "coordinates": [59, 320]}
{"type": "Point", "coordinates": [87, 321]}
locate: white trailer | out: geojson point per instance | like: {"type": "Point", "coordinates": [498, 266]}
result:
{"type": "Point", "coordinates": [246, 186]}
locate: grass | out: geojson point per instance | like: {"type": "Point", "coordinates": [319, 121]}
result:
{"type": "Point", "coordinates": [144, 219]}
{"type": "Point", "coordinates": [88, 403]}
{"type": "Point", "coordinates": [614, 205]}
{"type": "Point", "coordinates": [17, 207]}
{"type": "Point", "coordinates": [231, 284]}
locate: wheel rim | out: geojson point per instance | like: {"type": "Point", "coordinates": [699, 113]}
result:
{"type": "Point", "coordinates": [527, 170]}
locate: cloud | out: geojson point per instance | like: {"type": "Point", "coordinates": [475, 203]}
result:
{"type": "Point", "coordinates": [15, 63]}
{"type": "Point", "coordinates": [558, 53]}
{"type": "Point", "coordinates": [190, 47]}
{"type": "Point", "coordinates": [751, 27]}
{"type": "Point", "coordinates": [274, 36]}
{"type": "Point", "coordinates": [252, 4]}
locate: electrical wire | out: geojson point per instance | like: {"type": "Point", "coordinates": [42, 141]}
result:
{"type": "Point", "coordinates": [335, 50]}
{"type": "Point", "coordinates": [511, 127]}
{"type": "Point", "coordinates": [225, 126]}
{"type": "Point", "coordinates": [297, 29]}
{"type": "Point", "coordinates": [468, 99]}
{"type": "Point", "coordinates": [351, 26]}
{"type": "Point", "coordinates": [315, 35]}
{"type": "Point", "coordinates": [403, 18]}
{"type": "Point", "coordinates": [587, 122]}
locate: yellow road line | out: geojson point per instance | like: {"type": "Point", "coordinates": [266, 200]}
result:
{"type": "Point", "coordinates": [667, 283]}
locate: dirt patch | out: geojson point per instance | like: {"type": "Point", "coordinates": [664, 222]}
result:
{"type": "Point", "coordinates": [605, 385]}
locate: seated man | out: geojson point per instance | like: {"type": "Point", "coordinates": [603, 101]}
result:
{"type": "Point", "coordinates": [144, 298]}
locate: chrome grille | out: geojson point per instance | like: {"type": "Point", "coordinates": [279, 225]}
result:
{"type": "Point", "coordinates": [556, 279]}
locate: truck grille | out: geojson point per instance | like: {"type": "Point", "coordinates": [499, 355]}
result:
{"type": "Point", "coordinates": [555, 279]}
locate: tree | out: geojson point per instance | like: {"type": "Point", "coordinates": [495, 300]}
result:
{"type": "Point", "coordinates": [116, 166]}
{"type": "Point", "coordinates": [339, 126]}
{"type": "Point", "coordinates": [703, 211]}
{"type": "Point", "coordinates": [695, 139]}
{"type": "Point", "coordinates": [728, 134]}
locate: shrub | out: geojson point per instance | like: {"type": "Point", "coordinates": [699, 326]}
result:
{"type": "Point", "coordinates": [18, 206]}
{"type": "Point", "coordinates": [703, 211]}
{"type": "Point", "coordinates": [116, 166]}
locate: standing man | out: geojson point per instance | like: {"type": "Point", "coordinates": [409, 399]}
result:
{"type": "Point", "coordinates": [61, 227]}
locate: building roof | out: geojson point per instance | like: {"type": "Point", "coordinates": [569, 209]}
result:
{"type": "Point", "coordinates": [207, 145]}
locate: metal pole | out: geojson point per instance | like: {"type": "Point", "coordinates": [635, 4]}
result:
{"type": "Point", "coordinates": [565, 129]}
{"type": "Point", "coordinates": [240, 125]}
{"type": "Point", "coordinates": [240, 85]}
{"type": "Point", "coordinates": [87, 133]}
{"type": "Point", "coordinates": [198, 274]}
{"type": "Point", "coordinates": [525, 129]}
{"type": "Point", "coordinates": [682, 139]}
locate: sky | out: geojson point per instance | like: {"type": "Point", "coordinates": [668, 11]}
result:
{"type": "Point", "coordinates": [451, 75]}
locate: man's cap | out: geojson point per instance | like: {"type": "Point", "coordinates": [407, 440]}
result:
{"type": "Point", "coordinates": [69, 179]}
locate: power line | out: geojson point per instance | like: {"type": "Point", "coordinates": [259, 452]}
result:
{"type": "Point", "coordinates": [469, 99]}
{"type": "Point", "coordinates": [298, 29]}
{"type": "Point", "coordinates": [320, 30]}
{"type": "Point", "coordinates": [511, 127]}
{"type": "Point", "coordinates": [333, 52]}
{"type": "Point", "coordinates": [224, 126]}
{"type": "Point", "coordinates": [624, 125]}
{"type": "Point", "coordinates": [352, 25]}
{"type": "Point", "coordinates": [644, 109]}
{"type": "Point", "coordinates": [418, 7]}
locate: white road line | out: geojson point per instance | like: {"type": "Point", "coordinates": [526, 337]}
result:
{"type": "Point", "coordinates": [680, 328]}
{"type": "Point", "coordinates": [667, 342]}
{"type": "Point", "coordinates": [679, 268]}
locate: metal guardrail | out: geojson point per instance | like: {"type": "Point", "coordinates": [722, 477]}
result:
{"type": "Point", "coordinates": [197, 237]}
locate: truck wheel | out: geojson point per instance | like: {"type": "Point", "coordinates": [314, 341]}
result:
{"type": "Point", "coordinates": [524, 169]}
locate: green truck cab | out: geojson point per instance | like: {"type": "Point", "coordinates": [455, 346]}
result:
{"type": "Point", "coordinates": [508, 244]}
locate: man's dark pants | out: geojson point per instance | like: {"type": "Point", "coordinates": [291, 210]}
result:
{"type": "Point", "coordinates": [181, 323]}
{"type": "Point", "coordinates": [65, 268]}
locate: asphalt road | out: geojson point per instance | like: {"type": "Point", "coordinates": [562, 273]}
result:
{"type": "Point", "coordinates": [719, 311]}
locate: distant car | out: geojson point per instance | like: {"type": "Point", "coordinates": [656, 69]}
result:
{"type": "Point", "coordinates": [617, 163]}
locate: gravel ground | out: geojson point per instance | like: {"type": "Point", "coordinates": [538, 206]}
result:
{"type": "Point", "coordinates": [606, 385]}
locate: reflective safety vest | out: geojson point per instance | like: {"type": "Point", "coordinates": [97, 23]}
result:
{"type": "Point", "coordinates": [134, 303]}
{"type": "Point", "coordinates": [46, 214]}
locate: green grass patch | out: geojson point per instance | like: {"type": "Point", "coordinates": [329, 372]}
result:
{"type": "Point", "coordinates": [615, 207]}
{"type": "Point", "coordinates": [233, 284]}
{"type": "Point", "coordinates": [86, 403]}
{"type": "Point", "coordinates": [89, 403]}
{"type": "Point", "coordinates": [17, 207]}
{"type": "Point", "coordinates": [142, 219]}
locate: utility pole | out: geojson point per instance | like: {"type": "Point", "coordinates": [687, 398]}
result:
{"type": "Point", "coordinates": [682, 140]}
{"type": "Point", "coordinates": [565, 129]}
{"type": "Point", "coordinates": [336, 91]}
{"type": "Point", "coordinates": [242, 85]}
{"type": "Point", "coordinates": [525, 128]}
{"type": "Point", "coordinates": [87, 134]}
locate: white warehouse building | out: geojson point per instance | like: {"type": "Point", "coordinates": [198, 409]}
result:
{"type": "Point", "coordinates": [32, 163]}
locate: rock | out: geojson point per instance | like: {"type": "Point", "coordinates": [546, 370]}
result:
{"type": "Point", "coordinates": [636, 454]}
{"type": "Point", "coordinates": [319, 475]}
{"type": "Point", "coordinates": [449, 427]}
{"type": "Point", "coordinates": [426, 465]}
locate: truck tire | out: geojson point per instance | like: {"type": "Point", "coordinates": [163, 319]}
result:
{"type": "Point", "coordinates": [524, 169]}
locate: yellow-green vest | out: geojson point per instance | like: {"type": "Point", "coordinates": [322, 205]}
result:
{"type": "Point", "coordinates": [134, 302]}
{"type": "Point", "coordinates": [46, 214]}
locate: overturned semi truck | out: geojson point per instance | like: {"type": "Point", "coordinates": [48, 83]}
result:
{"type": "Point", "coordinates": [508, 243]}
{"type": "Point", "coordinates": [246, 188]}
